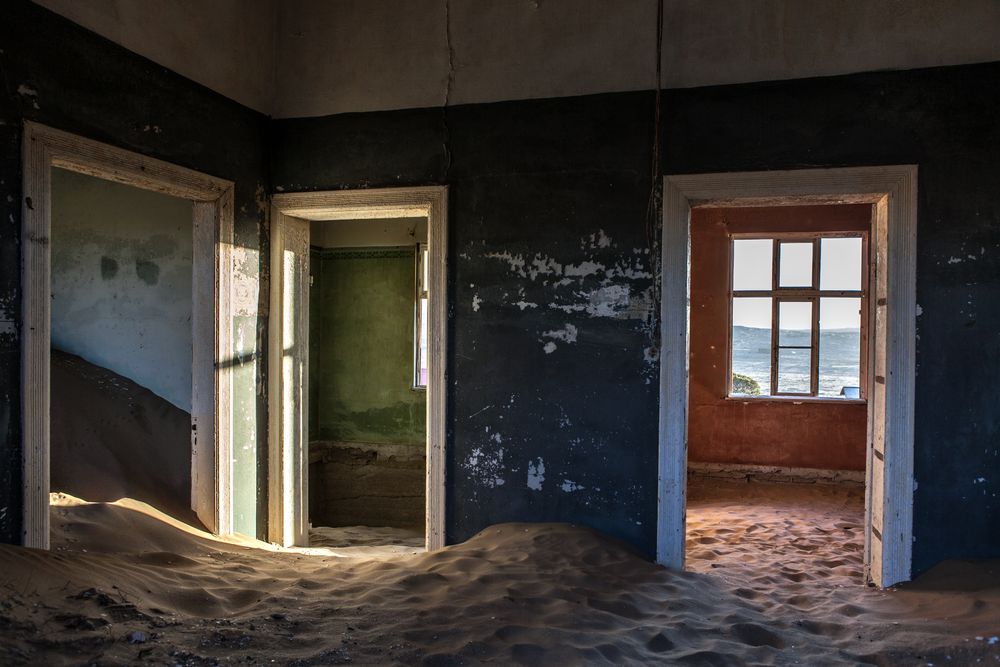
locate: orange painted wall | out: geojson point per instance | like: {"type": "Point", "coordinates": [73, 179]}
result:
{"type": "Point", "coordinates": [779, 432]}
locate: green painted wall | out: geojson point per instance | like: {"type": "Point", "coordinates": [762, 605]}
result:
{"type": "Point", "coordinates": [361, 347]}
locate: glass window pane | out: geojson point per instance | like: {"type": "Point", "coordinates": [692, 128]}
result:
{"type": "Point", "coordinates": [423, 263]}
{"type": "Point", "coordinates": [752, 264]}
{"type": "Point", "coordinates": [793, 371]}
{"type": "Point", "coordinates": [795, 323]}
{"type": "Point", "coordinates": [840, 347]}
{"type": "Point", "coordinates": [751, 346]}
{"type": "Point", "coordinates": [795, 264]}
{"type": "Point", "coordinates": [422, 351]}
{"type": "Point", "coordinates": [840, 264]}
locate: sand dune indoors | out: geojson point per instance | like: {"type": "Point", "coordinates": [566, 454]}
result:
{"type": "Point", "coordinates": [774, 577]}
{"type": "Point", "coordinates": [126, 584]}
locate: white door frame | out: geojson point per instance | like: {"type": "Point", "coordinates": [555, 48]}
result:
{"type": "Point", "coordinates": [288, 478]}
{"type": "Point", "coordinates": [892, 191]}
{"type": "Point", "coordinates": [44, 148]}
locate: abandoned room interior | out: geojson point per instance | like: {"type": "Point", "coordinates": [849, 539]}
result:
{"type": "Point", "coordinates": [513, 331]}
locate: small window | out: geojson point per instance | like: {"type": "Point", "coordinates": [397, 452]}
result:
{"type": "Point", "coordinates": [420, 320]}
{"type": "Point", "coordinates": [796, 306]}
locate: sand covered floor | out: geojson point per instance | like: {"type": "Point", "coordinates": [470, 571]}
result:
{"type": "Point", "coordinates": [367, 540]}
{"type": "Point", "coordinates": [125, 584]}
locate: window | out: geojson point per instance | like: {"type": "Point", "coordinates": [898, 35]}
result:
{"type": "Point", "coordinates": [797, 306]}
{"type": "Point", "coordinates": [420, 320]}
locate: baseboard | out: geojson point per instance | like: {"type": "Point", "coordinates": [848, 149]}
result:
{"type": "Point", "coordinates": [780, 474]}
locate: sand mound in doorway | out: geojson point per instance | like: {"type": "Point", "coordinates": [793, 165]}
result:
{"type": "Point", "coordinates": [539, 594]}
{"type": "Point", "coordinates": [112, 438]}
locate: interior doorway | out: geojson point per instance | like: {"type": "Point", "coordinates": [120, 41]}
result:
{"type": "Point", "coordinates": [367, 380]}
{"type": "Point", "coordinates": [209, 204]}
{"type": "Point", "coordinates": [357, 345]}
{"type": "Point", "coordinates": [778, 390]}
{"type": "Point", "coordinates": [891, 194]}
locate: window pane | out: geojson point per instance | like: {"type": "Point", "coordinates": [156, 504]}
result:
{"type": "Point", "coordinates": [752, 264]}
{"type": "Point", "coordinates": [840, 264]}
{"type": "Point", "coordinates": [423, 264]}
{"type": "Point", "coordinates": [422, 352]}
{"type": "Point", "coordinates": [793, 371]}
{"type": "Point", "coordinates": [795, 323]}
{"type": "Point", "coordinates": [840, 347]}
{"type": "Point", "coordinates": [795, 264]}
{"type": "Point", "coordinates": [751, 346]}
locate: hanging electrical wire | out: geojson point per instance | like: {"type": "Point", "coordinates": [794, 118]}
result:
{"type": "Point", "coordinates": [655, 203]}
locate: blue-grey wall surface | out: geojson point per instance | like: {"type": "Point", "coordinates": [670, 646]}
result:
{"type": "Point", "coordinates": [553, 359]}
{"type": "Point", "coordinates": [56, 73]}
{"type": "Point", "coordinates": [553, 349]}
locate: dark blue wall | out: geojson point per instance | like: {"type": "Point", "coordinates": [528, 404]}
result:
{"type": "Point", "coordinates": [59, 74]}
{"type": "Point", "coordinates": [552, 356]}
{"type": "Point", "coordinates": [533, 180]}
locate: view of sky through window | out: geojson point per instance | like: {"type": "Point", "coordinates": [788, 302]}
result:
{"type": "Point", "coordinates": [839, 335]}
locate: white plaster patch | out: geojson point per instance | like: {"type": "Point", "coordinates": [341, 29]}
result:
{"type": "Point", "coordinates": [569, 486]}
{"type": "Point", "coordinates": [566, 334]}
{"type": "Point", "coordinates": [597, 240]}
{"type": "Point", "coordinates": [522, 304]}
{"type": "Point", "coordinates": [476, 301]}
{"type": "Point", "coordinates": [920, 311]}
{"type": "Point", "coordinates": [536, 474]}
{"type": "Point", "coordinates": [954, 260]}
{"type": "Point", "coordinates": [515, 262]}
{"type": "Point", "coordinates": [544, 266]}
{"type": "Point", "coordinates": [549, 347]}
{"type": "Point", "coordinates": [25, 91]}
{"type": "Point", "coordinates": [486, 466]}
{"type": "Point", "coordinates": [583, 269]}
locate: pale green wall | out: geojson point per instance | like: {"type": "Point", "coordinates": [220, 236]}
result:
{"type": "Point", "coordinates": [361, 347]}
{"type": "Point", "coordinates": [121, 281]}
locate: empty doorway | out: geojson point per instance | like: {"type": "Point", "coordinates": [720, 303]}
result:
{"type": "Point", "coordinates": [367, 380]}
{"type": "Point", "coordinates": [891, 192]}
{"type": "Point", "coordinates": [208, 201]}
{"type": "Point", "coordinates": [778, 389]}
{"type": "Point", "coordinates": [356, 350]}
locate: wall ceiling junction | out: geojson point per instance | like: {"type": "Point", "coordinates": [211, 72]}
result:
{"type": "Point", "coordinates": [299, 58]}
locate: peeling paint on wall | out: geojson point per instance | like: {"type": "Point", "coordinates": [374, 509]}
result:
{"type": "Point", "coordinates": [536, 474]}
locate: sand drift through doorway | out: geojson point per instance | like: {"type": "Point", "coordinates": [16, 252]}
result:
{"type": "Point", "coordinates": [45, 148]}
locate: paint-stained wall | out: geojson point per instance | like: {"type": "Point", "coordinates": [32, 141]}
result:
{"type": "Point", "coordinates": [121, 281]}
{"type": "Point", "coordinates": [56, 73]}
{"type": "Point", "coordinates": [829, 435]}
{"type": "Point", "coordinates": [362, 313]}
{"type": "Point", "coordinates": [552, 374]}
{"type": "Point", "coordinates": [548, 231]}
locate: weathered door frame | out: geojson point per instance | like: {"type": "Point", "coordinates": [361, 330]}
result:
{"type": "Point", "coordinates": [44, 148]}
{"type": "Point", "coordinates": [892, 192]}
{"type": "Point", "coordinates": [288, 477]}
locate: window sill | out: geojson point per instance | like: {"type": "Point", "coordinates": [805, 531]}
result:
{"type": "Point", "coordinates": [797, 400]}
